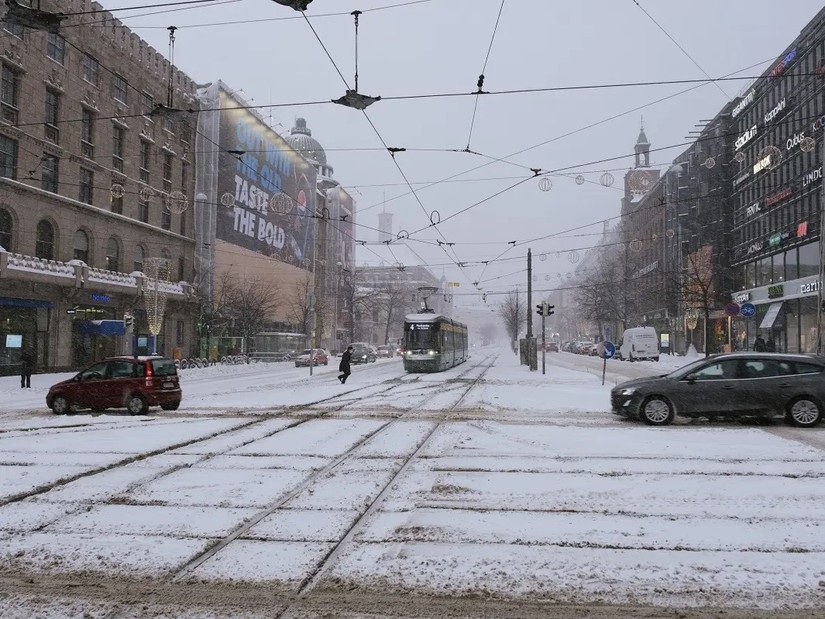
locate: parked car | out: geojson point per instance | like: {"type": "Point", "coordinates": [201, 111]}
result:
{"type": "Point", "coordinates": [729, 385]}
{"type": "Point", "coordinates": [135, 383]}
{"type": "Point", "coordinates": [363, 353]}
{"type": "Point", "coordinates": [318, 356]}
{"type": "Point", "coordinates": [551, 347]}
{"type": "Point", "coordinates": [385, 352]}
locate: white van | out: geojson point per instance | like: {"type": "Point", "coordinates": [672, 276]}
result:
{"type": "Point", "coordinates": [639, 343]}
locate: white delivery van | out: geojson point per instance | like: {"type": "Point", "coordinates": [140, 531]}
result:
{"type": "Point", "coordinates": [639, 343]}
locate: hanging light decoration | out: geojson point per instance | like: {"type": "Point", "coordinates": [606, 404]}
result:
{"type": "Point", "coordinates": [606, 179]}
{"type": "Point", "coordinates": [579, 179]}
{"type": "Point", "coordinates": [635, 245]}
{"type": "Point", "coordinates": [543, 257]}
{"type": "Point", "coordinates": [228, 200]}
{"type": "Point", "coordinates": [670, 233]}
{"type": "Point", "coordinates": [176, 202]}
{"type": "Point", "coordinates": [146, 193]}
{"type": "Point", "coordinates": [281, 203]}
{"type": "Point", "coordinates": [117, 191]}
{"type": "Point", "coordinates": [808, 144]}
{"type": "Point", "coordinates": [772, 155]}
{"type": "Point", "coordinates": [573, 256]}
{"type": "Point", "coordinates": [547, 277]}
{"type": "Point", "coordinates": [545, 184]}
{"type": "Point", "coordinates": [740, 156]}
{"type": "Point", "coordinates": [709, 163]}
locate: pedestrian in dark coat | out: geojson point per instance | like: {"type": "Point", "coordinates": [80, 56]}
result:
{"type": "Point", "coordinates": [771, 345]}
{"type": "Point", "coordinates": [28, 360]}
{"type": "Point", "coordinates": [759, 344]}
{"type": "Point", "coordinates": [344, 365]}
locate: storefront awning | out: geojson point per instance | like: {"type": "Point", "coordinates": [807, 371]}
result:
{"type": "Point", "coordinates": [100, 327]}
{"type": "Point", "coordinates": [770, 315]}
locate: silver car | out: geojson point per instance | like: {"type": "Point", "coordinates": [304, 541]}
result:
{"type": "Point", "coordinates": [729, 385]}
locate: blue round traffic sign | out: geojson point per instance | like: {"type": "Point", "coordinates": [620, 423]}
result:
{"type": "Point", "coordinates": [748, 310]}
{"type": "Point", "coordinates": [606, 349]}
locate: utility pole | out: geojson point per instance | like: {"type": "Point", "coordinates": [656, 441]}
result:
{"type": "Point", "coordinates": [819, 296]}
{"type": "Point", "coordinates": [532, 354]}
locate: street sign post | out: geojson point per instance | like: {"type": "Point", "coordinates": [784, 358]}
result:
{"type": "Point", "coordinates": [732, 309]}
{"type": "Point", "coordinates": [606, 350]}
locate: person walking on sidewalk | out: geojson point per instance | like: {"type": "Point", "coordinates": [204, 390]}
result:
{"type": "Point", "coordinates": [27, 363]}
{"type": "Point", "coordinates": [344, 365]}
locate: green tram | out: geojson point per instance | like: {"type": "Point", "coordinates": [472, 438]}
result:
{"type": "Point", "coordinates": [433, 343]}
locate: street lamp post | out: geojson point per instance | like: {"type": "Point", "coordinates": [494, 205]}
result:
{"type": "Point", "coordinates": [339, 264]}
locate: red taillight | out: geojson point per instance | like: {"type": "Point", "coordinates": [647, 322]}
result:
{"type": "Point", "coordinates": [148, 375]}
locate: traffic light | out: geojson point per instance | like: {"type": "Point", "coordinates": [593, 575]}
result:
{"type": "Point", "coordinates": [548, 309]}
{"type": "Point", "coordinates": [128, 321]}
{"type": "Point", "coordinates": [540, 309]}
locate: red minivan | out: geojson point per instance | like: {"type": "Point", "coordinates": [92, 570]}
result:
{"type": "Point", "coordinates": [135, 383]}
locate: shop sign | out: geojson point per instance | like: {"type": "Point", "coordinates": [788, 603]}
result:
{"type": "Point", "coordinates": [743, 297]}
{"type": "Point", "coordinates": [745, 137]}
{"type": "Point", "coordinates": [752, 210]}
{"type": "Point", "coordinates": [100, 298]}
{"type": "Point", "coordinates": [776, 291]}
{"type": "Point", "coordinates": [795, 140]}
{"type": "Point", "coordinates": [777, 109]}
{"type": "Point", "coordinates": [812, 177]}
{"type": "Point", "coordinates": [802, 229]}
{"type": "Point", "coordinates": [762, 164]}
{"type": "Point", "coordinates": [778, 197]}
{"type": "Point", "coordinates": [818, 124]}
{"type": "Point", "coordinates": [788, 59]}
{"type": "Point", "coordinates": [745, 102]}
{"type": "Point", "coordinates": [755, 247]}
{"type": "Point", "coordinates": [741, 179]}
{"type": "Point", "coordinates": [779, 237]}
{"type": "Point", "coordinates": [808, 287]}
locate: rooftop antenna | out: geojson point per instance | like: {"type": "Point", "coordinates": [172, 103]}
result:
{"type": "Point", "coordinates": [353, 98]}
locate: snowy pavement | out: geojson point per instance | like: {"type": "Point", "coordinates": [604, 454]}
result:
{"type": "Point", "coordinates": [480, 481]}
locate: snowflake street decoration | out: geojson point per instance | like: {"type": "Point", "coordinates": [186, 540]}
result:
{"type": "Point", "coordinates": [228, 200]}
{"type": "Point", "coordinates": [580, 179]}
{"type": "Point", "coordinates": [573, 257]}
{"type": "Point", "coordinates": [773, 156]}
{"type": "Point", "coordinates": [146, 193]}
{"type": "Point", "coordinates": [808, 144]}
{"type": "Point", "coordinates": [547, 277]}
{"type": "Point", "coordinates": [176, 202]}
{"type": "Point", "coordinates": [740, 156]}
{"type": "Point", "coordinates": [635, 245]}
{"type": "Point", "coordinates": [155, 291]}
{"type": "Point", "coordinates": [117, 191]}
{"type": "Point", "coordinates": [281, 203]}
{"type": "Point", "coordinates": [543, 257]}
{"type": "Point", "coordinates": [709, 163]}
{"type": "Point", "coordinates": [670, 233]}
{"type": "Point", "coordinates": [606, 179]}
{"type": "Point", "coordinates": [545, 184]}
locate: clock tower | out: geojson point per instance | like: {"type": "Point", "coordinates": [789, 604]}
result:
{"type": "Point", "coordinates": [642, 149]}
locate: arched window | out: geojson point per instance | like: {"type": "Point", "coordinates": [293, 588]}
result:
{"type": "Point", "coordinates": [6, 229]}
{"type": "Point", "coordinates": [140, 257]}
{"type": "Point", "coordinates": [81, 246]}
{"type": "Point", "coordinates": [113, 254]}
{"type": "Point", "coordinates": [44, 247]}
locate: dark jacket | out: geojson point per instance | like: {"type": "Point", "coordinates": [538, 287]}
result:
{"type": "Point", "coordinates": [344, 365]}
{"type": "Point", "coordinates": [27, 361]}
{"type": "Point", "coordinates": [759, 345]}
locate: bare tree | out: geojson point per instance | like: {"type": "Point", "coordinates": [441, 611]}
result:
{"type": "Point", "coordinates": [300, 305]}
{"type": "Point", "coordinates": [247, 304]}
{"type": "Point", "coordinates": [513, 312]}
{"type": "Point", "coordinates": [392, 297]}
{"type": "Point", "coordinates": [602, 296]}
{"type": "Point", "coordinates": [697, 286]}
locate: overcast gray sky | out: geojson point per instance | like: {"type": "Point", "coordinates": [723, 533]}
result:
{"type": "Point", "coordinates": [434, 47]}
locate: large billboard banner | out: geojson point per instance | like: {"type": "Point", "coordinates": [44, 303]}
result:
{"type": "Point", "coordinates": [266, 191]}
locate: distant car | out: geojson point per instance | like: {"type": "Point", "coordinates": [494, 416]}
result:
{"type": "Point", "coordinates": [318, 356]}
{"type": "Point", "coordinates": [385, 352]}
{"type": "Point", "coordinates": [729, 385]}
{"type": "Point", "coordinates": [134, 383]}
{"type": "Point", "coordinates": [363, 353]}
{"type": "Point", "coordinates": [551, 347]}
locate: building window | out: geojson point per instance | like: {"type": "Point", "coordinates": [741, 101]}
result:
{"type": "Point", "coordinates": [49, 173]}
{"type": "Point", "coordinates": [9, 94]}
{"type": "Point", "coordinates": [81, 246]}
{"type": "Point", "coordinates": [147, 103]}
{"type": "Point", "coordinates": [165, 219]}
{"type": "Point", "coordinates": [8, 157]}
{"type": "Point", "coordinates": [184, 177]}
{"type": "Point", "coordinates": [44, 246]}
{"type": "Point", "coordinates": [168, 159]}
{"type": "Point", "coordinates": [117, 204]}
{"type": "Point", "coordinates": [112, 254]}
{"type": "Point", "coordinates": [179, 330]}
{"type": "Point", "coordinates": [87, 186]}
{"type": "Point", "coordinates": [120, 88]}
{"type": "Point", "coordinates": [140, 257]}
{"type": "Point", "coordinates": [56, 47]}
{"type": "Point", "coordinates": [118, 144]}
{"type": "Point", "coordinates": [145, 160]}
{"type": "Point", "coordinates": [91, 70]}
{"type": "Point", "coordinates": [6, 229]}
{"type": "Point", "coordinates": [13, 29]}
{"type": "Point", "coordinates": [52, 133]}
{"type": "Point", "coordinates": [143, 210]}
{"type": "Point", "coordinates": [87, 133]}
{"type": "Point", "coordinates": [183, 223]}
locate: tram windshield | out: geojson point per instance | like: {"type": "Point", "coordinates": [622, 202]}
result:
{"type": "Point", "coordinates": [420, 335]}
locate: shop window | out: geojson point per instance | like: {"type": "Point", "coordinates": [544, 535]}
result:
{"type": "Point", "coordinates": [81, 246]}
{"type": "Point", "coordinates": [44, 246]}
{"type": "Point", "coordinates": [791, 265]}
{"type": "Point", "coordinates": [112, 254]}
{"type": "Point", "coordinates": [6, 229]}
{"type": "Point", "coordinates": [809, 259]}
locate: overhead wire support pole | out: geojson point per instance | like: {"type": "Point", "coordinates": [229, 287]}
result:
{"type": "Point", "coordinates": [819, 285]}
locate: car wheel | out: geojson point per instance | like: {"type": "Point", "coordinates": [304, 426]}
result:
{"type": "Point", "coordinates": [803, 412]}
{"type": "Point", "coordinates": [171, 406]}
{"type": "Point", "coordinates": [136, 404]}
{"type": "Point", "coordinates": [61, 405]}
{"type": "Point", "coordinates": [656, 359]}
{"type": "Point", "coordinates": [656, 411]}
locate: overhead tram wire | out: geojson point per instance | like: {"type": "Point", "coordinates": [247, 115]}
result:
{"type": "Point", "coordinates": [141, 7]}
{"type": "Point", "coordinates": [682, 49]}
{"type": "Point", "coordinates": [481, 76]}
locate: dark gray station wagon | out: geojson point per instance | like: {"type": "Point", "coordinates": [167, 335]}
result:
{"type": "Point", "coordinates": [729, 385]}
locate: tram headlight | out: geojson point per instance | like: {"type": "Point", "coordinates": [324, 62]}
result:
{"type": "Point", "coordinates": [431, 352]}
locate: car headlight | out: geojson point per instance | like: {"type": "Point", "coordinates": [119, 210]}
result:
{"type": "Point", "coordinates": [431, 352]}
{"type": "Point", "coordinates": [627, 391]}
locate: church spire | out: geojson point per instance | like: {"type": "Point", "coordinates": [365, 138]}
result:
{"type": "Point", "coordinates": [642, 148]}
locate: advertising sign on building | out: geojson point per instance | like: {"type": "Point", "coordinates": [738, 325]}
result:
{"type": "Point", "coordinates": [266, 190]}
